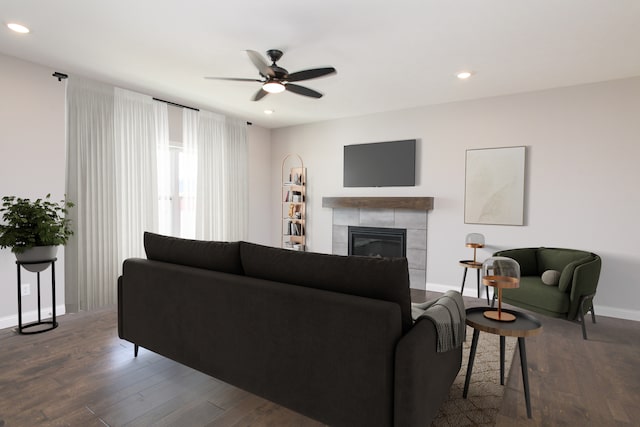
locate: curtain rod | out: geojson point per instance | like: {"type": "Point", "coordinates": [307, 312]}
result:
{"type": "Point", "coordinates": [184, 106]}
{"type": "Point", "coordinates": [177, 105]}
{"type": "Point", "coordinates": [62, 76]}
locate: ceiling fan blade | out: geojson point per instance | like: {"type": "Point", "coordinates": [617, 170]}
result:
{"type": "Point", "coordinates": [310, 74]}
{"type": "Point", "coordinates": [301, 90]}
{"type": "Point", "coordinates": [233, 79]}
{"type": "Point", "coordinates": [260, 63]}
{"type": "Point", "coordinates": [260, 94]}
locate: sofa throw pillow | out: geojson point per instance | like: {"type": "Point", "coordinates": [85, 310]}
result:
{"type": "Point", "coordinates": [551, 277]}
{"type": "Point", "coordinates": [380, 278]}
{"type": "Point", "coordinates": [217, 256]}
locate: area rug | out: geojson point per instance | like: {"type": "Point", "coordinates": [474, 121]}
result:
{"type": "Point", "coordinates": [481, 406]}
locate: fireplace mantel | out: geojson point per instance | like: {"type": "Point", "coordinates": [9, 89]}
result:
{"type": "Point", "coordinates": [411, 203]}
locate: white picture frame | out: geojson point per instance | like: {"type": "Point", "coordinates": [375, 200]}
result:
{"type": "Point", "coordinates": [494, 186]}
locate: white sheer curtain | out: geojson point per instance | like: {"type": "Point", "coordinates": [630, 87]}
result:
{"type": "Point", "coordinates": [139, 122]}
{"type": "Point", "coordinates": [112, 177]}
{"type": "Point", "coordinates": [91, 260]}
{"type": "Point", "coordinates": [234, 177]}
{"type": "Point", "coordinates": [210, 191]}
{"type": "Point", "coordinates": [222, 200]}
{"type": "Point", "coordinates": [189, 173]}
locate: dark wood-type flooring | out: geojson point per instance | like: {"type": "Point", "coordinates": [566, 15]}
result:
{"type": "Point", "coordinates": [82, 374]}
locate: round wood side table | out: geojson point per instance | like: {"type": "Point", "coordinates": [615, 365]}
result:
{"type": "Point", "coordinates": [476, 266]}
{"type": "Point", "coordinates": [523, 326]}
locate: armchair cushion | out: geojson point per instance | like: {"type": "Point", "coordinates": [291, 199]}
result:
{"type": "Point", "coordinates": [551, 277]}
{"type": "Point", "coordinates": [556, 259]}
{"type": "Point", "coordinates": [526, 257]}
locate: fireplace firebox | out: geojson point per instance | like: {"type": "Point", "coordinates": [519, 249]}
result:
{"type": "Point", "coordinates": [377, 241]}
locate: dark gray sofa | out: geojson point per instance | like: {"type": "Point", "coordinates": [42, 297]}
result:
{"type": "Point", "coordinates": [328, 336]}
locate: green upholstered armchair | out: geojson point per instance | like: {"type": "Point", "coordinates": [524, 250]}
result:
{"type": "Point", "coordinates": [571, 278]}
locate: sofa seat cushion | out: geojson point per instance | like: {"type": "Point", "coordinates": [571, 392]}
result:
{"type": "Point", "coordinates": [533, 293]}
{"type": "Point", "coordinates": [216, 256]}
{"type": "Point", "coordinates": [379, 278]}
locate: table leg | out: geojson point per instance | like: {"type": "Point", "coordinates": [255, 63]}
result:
{"type": "Point", "coordinates": [472, 356]}
{"type": "Point", "coordinates": [501, 360]}
{"type": "Point", "coordinates": [464, 277]}
{"type": "Point", "coordinates": [486, 287]}
{"type": "Point", "coordinates": [525, 374]}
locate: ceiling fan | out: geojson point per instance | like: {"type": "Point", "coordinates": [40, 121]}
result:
{"type": "Point", "coordinates": [276, 79]}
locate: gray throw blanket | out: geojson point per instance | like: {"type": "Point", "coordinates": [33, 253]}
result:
{"type": "Point", "coordinates": [448, 314]}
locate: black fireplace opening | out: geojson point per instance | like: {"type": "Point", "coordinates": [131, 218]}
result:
{"type": "Point", "coordinates": [377, 241]}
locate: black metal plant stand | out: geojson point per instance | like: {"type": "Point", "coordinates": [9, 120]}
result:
{"type": "Point", "coordinates": [52, 322]}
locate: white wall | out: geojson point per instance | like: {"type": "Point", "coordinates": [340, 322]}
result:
{"type": "Point", "coordinates": [32, 159]}
{"type": "Point", "coordinates": [582, 174]}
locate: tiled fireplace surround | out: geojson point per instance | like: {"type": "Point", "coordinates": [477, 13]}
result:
{"type": "Point", "coordinates": [389, 216]}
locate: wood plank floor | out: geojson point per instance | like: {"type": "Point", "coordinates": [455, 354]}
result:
{"type": "Point", "coordinates": [82, 374]}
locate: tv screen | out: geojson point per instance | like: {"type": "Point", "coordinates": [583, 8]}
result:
{"type": "Point", "coordinates": [380, 164]}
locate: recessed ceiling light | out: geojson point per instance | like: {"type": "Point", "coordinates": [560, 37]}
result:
{"type": "Point", "coordinates": [267, 112]}
{"type": "Point", "coordinates": [18, 28]}
{"type": "Point", "coordinates": [464, 75]}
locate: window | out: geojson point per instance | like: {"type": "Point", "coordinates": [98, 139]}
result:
{"type": "Point", "coordinates": [176, 191]}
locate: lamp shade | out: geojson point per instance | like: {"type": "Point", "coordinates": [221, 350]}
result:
{"type": "Point", "coordinates": [502, 269]}
{"type": "Point", "coordinates": [474, 240]}
{"type": "Point", "coordinates": [500, 273]}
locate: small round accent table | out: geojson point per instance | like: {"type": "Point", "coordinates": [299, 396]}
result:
{"type": "Point", "coordinates": [467, 263]}
{"type": "Point", "coordinates": [524, 325]}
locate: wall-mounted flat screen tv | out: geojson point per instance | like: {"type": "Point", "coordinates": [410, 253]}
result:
{"type": "Point", "coordinates": [380, 164]}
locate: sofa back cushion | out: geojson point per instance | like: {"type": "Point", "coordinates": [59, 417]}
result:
{"type": "Point", "coordinates": [526, 257]}
{"type": "Point", "coordinates": [379, 278]}
{"type": "Point", "coordinates": [217, 256]}
{"type": "Point", "coordinates": [557, 259]}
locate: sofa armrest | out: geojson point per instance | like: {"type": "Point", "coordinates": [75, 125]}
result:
{"type": "Point", "coordinates": [423, 376]}
{"type": "Point", "coordinates": [565, 283]}
{"type": "Point", "coordinates": [585, 282]}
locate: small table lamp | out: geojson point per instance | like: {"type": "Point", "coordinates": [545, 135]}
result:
{"type": "Point", "coordinates": [500, 272]}
{"type": "Point", "coordinates": [475, 241]}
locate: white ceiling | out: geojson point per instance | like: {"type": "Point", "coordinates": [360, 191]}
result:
{"type": "Point", "coordinates": [389, 55]}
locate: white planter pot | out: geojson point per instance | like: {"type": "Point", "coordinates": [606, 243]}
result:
{"type": "Point", "coordinates": [38, 253]}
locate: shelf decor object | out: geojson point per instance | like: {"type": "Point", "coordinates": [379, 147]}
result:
{"type": "Point", "coordinates": [475, 241]}
{"type": "Point", "coordinates": [294, 201]}
{"type": "Point", "coordinates": [500, 272]}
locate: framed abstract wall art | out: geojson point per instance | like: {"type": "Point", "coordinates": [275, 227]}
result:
{"type": "Point", "coordinates": [494, 186]}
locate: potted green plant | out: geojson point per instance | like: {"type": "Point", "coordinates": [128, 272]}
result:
{"type": "Point", "coordinates": [34, 229]}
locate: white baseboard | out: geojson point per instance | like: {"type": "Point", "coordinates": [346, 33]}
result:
{"type": "Point", "coordinates": [30, 316]}
{"type": "Point", "coordinates": [618, 313]}
{"type": "Point", "coordinates": [470, 290]}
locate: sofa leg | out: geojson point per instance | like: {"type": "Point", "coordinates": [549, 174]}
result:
{"type": "Point", "coordinates": [584, 328]}
{"type": "Point", "coordinates": [584, 299]}
{"type": "Point", "coordinates": [135, 350]}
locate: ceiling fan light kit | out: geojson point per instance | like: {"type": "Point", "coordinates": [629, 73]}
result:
{"type": "Point", "coordinates": [273, 87]}
{"type": "Point", "coordinates": [276, 79]}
